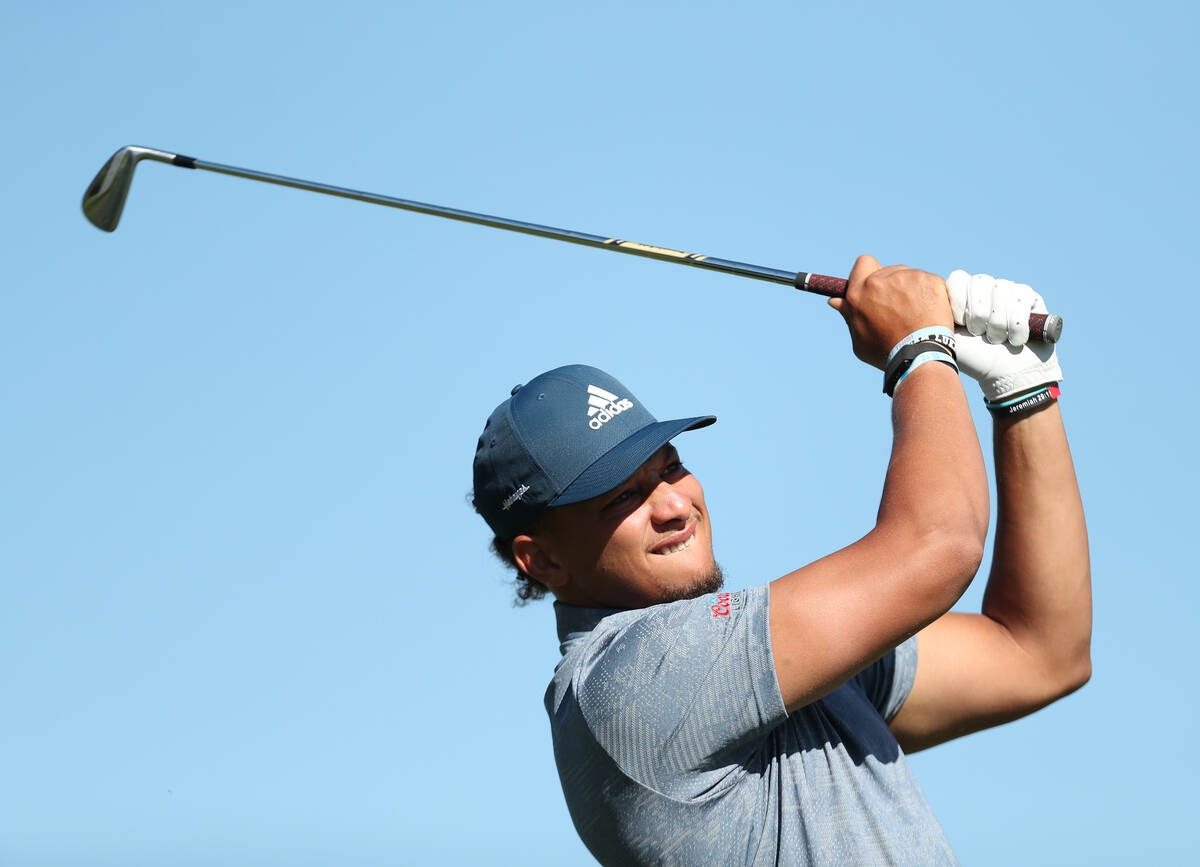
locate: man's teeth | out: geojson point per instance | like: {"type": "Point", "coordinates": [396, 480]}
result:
{"type": "Point", "coordinates": [674, 549]}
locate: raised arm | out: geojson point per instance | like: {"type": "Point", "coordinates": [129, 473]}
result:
{"type": "Point", "coordinates": [1030, 644]}
{"type": "Point", "coordinates": [832, 618]}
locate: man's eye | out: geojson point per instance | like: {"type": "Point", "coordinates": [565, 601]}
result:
{"type": "Point", "coordinates": [623, 497]}
{"type": "Point", "coordinates": [674, 468]}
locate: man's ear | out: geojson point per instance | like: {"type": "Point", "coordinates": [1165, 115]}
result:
{"type": "Point", "coordinates": [538, 562]}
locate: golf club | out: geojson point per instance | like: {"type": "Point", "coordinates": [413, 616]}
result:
{"type": "Point", "coordinates": [105, 197]}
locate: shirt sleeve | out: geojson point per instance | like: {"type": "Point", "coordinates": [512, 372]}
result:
{"type": "Point", "coordinates": [682, 688]}
{"type": "Point", "coordinates": [888, 681]}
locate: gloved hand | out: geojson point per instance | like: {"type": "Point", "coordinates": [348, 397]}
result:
{"type": "Point", "coordinates": [992, 335]}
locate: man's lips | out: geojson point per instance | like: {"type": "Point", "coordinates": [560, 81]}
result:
{"type": "Point", "coordinates": [680, 541]}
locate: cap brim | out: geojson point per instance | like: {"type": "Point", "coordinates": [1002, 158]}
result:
{"type": "Point", "coordinates": [622, 460]}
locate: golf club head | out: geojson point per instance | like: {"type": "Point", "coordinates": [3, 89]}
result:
{"type": "Point", "coordinates": [104, 199]}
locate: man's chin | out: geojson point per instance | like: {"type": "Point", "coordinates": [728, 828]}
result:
{"type": "Point", "coordinates": [706, 584]}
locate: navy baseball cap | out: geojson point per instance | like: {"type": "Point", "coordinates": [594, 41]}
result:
{"type": "Point", "coordinates": [571, 434]}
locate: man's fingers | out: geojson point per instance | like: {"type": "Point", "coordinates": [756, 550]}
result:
{"type": "Point", "coordinates": [864, 266]}
{"type": "Point", "coordinates": [979, 302]}
{"type": "Point", "coordinates": [1020, 304]}
{"type": "Point", "coordinates": [956, 286]}
{"type": "Point", "coordinates": [997, 310]}
{"type": "Point", "coordinates": [876, 277]}
{"type": "Point", "coordinates": [998, 315]}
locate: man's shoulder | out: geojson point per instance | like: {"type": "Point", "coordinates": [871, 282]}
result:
{"type": "Point", "coordinates": [589, 635]}
{"type": "Point", "coordinates": [654, 666]}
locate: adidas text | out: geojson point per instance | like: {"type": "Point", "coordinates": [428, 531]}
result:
{"type": "Point", "coordinates": [605, 414]}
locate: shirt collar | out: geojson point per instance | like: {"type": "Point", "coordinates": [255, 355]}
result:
{"type": "Point", "coordinates": [575, 622]}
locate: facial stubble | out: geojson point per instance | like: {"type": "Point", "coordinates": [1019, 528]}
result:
{"type": "Point", "coordinates": [708, 583]}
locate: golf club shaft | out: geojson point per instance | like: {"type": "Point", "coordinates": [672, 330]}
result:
{"type": "Point", "coordinates": [727, 266]}
{"type": "Point", "coordinates": [1041, 326]}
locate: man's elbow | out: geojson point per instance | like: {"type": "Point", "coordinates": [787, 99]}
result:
{"type": "Point", "coordinates": [963, 547]}
{"type": "Point", "coordinates": [960, 538]}
{"type": "Point", "coordinates": [1065, 674]}
{"type": "Point", "coordinates": [1083, 675]}
{"type": "Point", "coordinates": [956, 553]}
{"type": "Point", "coordinates": [1074, 659]}
{"type": "Point", "coordinates": [968, 551]}
{"type": "Point", "coordinates": [1077, 674]}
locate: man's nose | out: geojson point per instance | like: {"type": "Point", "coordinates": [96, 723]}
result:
{"type": "Point", "coordinates": [667, 504]}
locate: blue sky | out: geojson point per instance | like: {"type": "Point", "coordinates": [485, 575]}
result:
{"type": "Point", "coordinates": [249, 617]}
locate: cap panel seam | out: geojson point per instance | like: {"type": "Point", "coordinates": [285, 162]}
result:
{"type": "Point", "coordinates": [517, 429]}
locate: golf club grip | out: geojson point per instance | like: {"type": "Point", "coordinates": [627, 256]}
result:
{"type": "Point", "coordinates": [1042, 326]}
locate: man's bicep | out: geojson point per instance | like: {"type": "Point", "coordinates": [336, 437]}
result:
{"type": "Point", "coordinates": [971, 675]}
{"type": "Point", "coordinates": [833, 618]}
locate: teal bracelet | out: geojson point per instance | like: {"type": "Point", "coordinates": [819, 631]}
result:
{"type": "Point", "coordinates": [1015, 400]}
{"type": "Point", "coordinates": [1026, 402]}
{"type": "Point", "coordinates": [932, 355]}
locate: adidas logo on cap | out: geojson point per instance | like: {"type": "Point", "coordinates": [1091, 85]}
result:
{"type": "Point", "coordinates": [603, 405]}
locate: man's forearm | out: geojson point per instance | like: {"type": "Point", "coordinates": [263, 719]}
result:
{"type": "Point", "coordinates": [1040, 584]}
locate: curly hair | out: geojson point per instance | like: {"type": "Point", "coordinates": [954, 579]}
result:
{"type": "Point", "coordinates": [527, 588]}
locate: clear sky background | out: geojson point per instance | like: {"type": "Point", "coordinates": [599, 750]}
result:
{"type": "Point", "coordinates": [248, 615]}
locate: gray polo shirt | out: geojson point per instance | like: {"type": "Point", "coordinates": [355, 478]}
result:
{"type": "Point", "coordinates": [674, 747]}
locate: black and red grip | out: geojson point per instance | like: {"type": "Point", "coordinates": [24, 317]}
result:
{"type": "Point", "coordinates": [1042, 326]}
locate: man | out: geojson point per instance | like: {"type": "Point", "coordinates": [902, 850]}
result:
{"type": "Point", "coordinates": [769, 725]}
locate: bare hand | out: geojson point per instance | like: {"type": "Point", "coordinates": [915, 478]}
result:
{"type": "Point", "coordinates": [882, 306]}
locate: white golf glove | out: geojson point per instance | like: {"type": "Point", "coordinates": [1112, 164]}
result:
{"type": "Point", "coordinates": [992, 335]}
